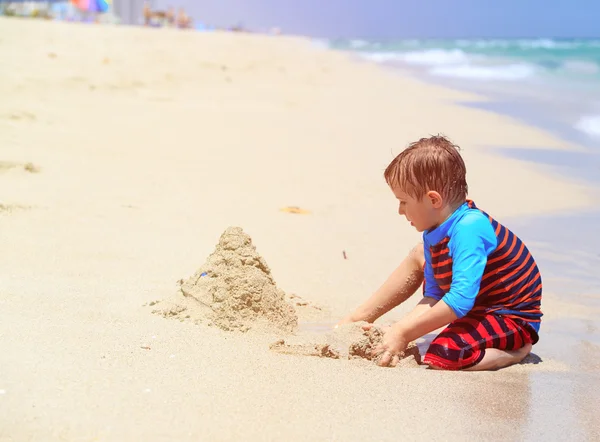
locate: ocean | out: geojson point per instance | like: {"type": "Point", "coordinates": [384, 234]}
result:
{"type": "Point", "coordinates": [552, 83]}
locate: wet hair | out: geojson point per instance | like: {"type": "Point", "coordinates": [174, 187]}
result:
{"type": "Point", "coordinates": [430, 164]}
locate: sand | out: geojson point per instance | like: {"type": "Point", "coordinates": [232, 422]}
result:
{"type": "Point", "coordinates": [148, 144]}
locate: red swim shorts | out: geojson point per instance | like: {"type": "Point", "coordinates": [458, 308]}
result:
{"type": "Point", "coordinates": [462, 344]}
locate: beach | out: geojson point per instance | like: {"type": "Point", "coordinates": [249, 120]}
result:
{"type": "Point", "coordinates": [126, 152]}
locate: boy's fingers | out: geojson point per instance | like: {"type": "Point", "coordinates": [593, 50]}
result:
{"type": "Point", "coordinates": [367, 327]}
{"type": "Point", "coordinates": [395, 361]}
{"type": "Point", "coordinates": [385, 360]}
{"type": "Point", "coordinates": [377, 350]}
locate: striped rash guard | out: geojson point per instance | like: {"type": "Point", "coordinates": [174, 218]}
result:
{"type": "Point", "coordinates": [477, 267]}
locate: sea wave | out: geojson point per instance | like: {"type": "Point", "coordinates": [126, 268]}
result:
{"type": "Point", "coordinates": [320, 43]}
{"type": "Point", "coordinates": [430, 57]}
{"type": "Point", "coordinates": [359, 44]}
{"type": "Point", "coordinates": [457, 63]}
{"type": "Point", "coordinates": [589, 124]}
{"type": "Point", "coordinates": [506, 60]}
{"type": "Point", "coordinates": [505, 46]}
{"type": "Point", "coordinates": [525, 44]}
{"type": "Point", "coordinates": [480, 72]}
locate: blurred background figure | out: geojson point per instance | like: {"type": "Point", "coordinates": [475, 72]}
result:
{"type": "Point", "coordinates": [184, 21]}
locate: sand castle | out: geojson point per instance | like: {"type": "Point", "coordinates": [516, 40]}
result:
{"type": "Point", "coordinates": [234, 290]}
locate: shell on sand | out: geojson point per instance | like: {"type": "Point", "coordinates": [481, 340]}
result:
{"type": "Point", "coordinates": [295, 210]}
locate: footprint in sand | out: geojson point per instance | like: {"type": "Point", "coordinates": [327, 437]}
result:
{"type": "Point", "coordinates": [21, 116]}
{"type": "Point", "coordinates": [6, 166]}
{"type": "Point", "coordinates": [10, 208]}
{"type": "Point", "coordinates": [298, 301]}
{"type": "Point", "coordinates": [12, 167]}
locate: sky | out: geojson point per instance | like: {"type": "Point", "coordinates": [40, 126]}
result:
{"type": "Point", "coordinates": [402, 18]}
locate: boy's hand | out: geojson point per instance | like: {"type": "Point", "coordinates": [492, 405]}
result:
{"type": "Point", "coordinates": [344, 321]}
{"type": "Point", "coordinates": [393, 343]}
{"type": "Point", "coordinates": [350, 319]}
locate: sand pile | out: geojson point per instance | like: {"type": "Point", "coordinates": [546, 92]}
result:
{"type": "Point", "coordinates": [346, 342]}
{"type": "Point", "coordinates": [234, 290]}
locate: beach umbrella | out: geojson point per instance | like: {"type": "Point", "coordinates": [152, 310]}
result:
{"type": "Point", "coordinates": [92, 5]}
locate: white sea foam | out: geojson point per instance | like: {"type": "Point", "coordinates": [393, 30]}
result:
{"type": "Point", "coordinates": [482, 72]}
{"type": "Point", "coordinates": [540, 43]}
{"type": "Point", "coordinates": [431, 57]}
{"type": "Point", "coordinates": [358, 44]}
{"type": "Point", "coordinates": [492, 60]}
{"type": "Point", "coordinates": [590, 124]}
{"type": "Point", "coordinates": [320, 43]}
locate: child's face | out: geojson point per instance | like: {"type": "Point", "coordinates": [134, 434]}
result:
{"type": "Point", "coordinates": [422, 214]}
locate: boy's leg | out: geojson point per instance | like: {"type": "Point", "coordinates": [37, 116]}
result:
{"type": "Point", "coordinates": [400, 285]}
{"type": "Point", "coordinates": [495, 358]}
{"type": "Point", "coordinates": [480, 343]}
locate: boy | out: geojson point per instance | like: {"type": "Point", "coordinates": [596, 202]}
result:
{"type": "Point", "coordinates": [478, 278]}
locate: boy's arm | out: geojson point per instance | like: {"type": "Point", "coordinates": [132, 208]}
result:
{"type": "Point", "coordinates": [400, 285]}
{"type": "Point", "coordinates": [414, 326]}
{"type": "Point", "coordinates": [429, 312]}
{"type": "Point", "coordinates": [397, 288]}
{"type": "Point", "coordinates": [473, 240]}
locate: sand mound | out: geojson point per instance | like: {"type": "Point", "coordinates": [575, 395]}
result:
{"type": "Point", "coordinates": [346, 342]}
{"type": "Point", "coordinates": [234, 290]}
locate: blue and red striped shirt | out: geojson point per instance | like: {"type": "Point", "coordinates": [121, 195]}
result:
{"type": "Point", "coordinates": [478, 266]}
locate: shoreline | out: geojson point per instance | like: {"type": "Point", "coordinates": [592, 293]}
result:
{"type": "Point", "coordinates": [508, 71]}
{"type": "Point", "coordinates": [146, 149]}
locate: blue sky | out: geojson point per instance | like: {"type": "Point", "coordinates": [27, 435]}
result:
{"type": "Point", "coordinates": [404, 18]}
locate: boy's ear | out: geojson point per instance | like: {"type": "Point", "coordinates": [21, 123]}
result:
{"type": "Point", "coordinates": [435, 199]}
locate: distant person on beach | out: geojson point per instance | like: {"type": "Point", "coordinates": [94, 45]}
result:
{"type": "Point", "coordinates": [479, 279]}
{"type": "Point", "coordinates": [147, 13]}
{"type": "Point", "coordinates": [183, 20]}
{"type": "Point", "coordinates": [171, 16]}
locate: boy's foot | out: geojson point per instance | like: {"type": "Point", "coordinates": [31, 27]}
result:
{"type": "Point", "coordinates": [495, 359]}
